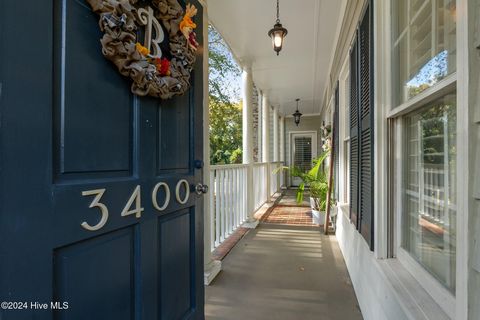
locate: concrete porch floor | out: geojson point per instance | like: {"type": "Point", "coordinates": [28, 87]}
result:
{"type": "Point", "coordinates": [283, 272]}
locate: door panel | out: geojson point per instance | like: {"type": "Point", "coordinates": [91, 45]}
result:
{"type": "Point", "coordinates": [79, 146]}
{"type": "Point", "coordinates": [93, 105]}
{"type": "Point", "coordinates": [176, 266]}
{"type": "Point", "coordinates": [174, 133]}
{"type": "Point", "coordinates": [97, 274]}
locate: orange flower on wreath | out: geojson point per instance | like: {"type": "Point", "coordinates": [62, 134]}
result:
{"type": "Point", "coordinates": [142, 50]}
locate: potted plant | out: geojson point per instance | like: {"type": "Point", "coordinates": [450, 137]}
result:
{"type": "Point", "coordinates": [316, 181]}
{"type": "Point", "coordinates": [318, 200]}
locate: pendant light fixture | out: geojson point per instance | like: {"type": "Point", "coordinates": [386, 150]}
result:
{"type": "Point", "coordinates": [297, 114]}
{"type": "Point", "coordinates": [277, 33]}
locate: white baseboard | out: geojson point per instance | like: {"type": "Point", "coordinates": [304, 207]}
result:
{"type": "Point", "coordinates": [211, 271]}
{"type": "Point", "coordinates": [250, 224]}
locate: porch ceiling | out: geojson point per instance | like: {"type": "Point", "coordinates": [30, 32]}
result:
{"type": "Point", "coordinates": [301, 70]}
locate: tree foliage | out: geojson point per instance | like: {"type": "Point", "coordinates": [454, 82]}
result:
{"type": "Point", "coordinates": [225, 106]}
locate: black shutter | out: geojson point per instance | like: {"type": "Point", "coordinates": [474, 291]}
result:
{"type": "Point", "coordinates": [336, 145]}
{"type": "Point", "coordinates": [354, 143]}
{"type": "Point", "coordinates": [366, 129]}
{"type": "Point", "coordinates": [361, 129]}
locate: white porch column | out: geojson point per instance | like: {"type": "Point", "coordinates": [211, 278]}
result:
{"type": "Point", "coordinates": [282, 149]}
{"type": "Point", "coordinates": [247, 134]}
{"type": "Point", "coordinates": [265, 129]}
{"type": "Point", "coordinates": [260, 126]}
{"type": "Point", "coordinates": [247, 124]}
{"type": "Point", "coordinates": [282, 138]}
{"type": "Point", "coordinates": [266, 140]}
{"type": "Point", "coordinates": [211, 267]}
{"type": "Point", "coordinates": [276, 141]}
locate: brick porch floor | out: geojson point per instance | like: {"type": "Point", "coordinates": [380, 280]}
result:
{"type": "Point", "coordinates": [289, 215]}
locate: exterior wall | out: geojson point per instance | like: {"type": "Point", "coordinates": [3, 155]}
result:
{"type": "Point", "coordinates": [384, 286]}
{"type": "Point", "coordinates": [307, 123]}
{"type": "Point", "coordinates": [376, 298]}
{"type": "Point", "coordinates": [474, 96]}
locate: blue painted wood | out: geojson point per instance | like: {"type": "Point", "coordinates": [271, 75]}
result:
{"type": "Point", "coordinates": [98, 273]}
{"type": "Point", "coordinates": [68, 123]}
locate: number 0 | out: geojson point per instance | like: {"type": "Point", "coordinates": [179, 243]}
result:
{"type": "Point", "coordinates": [167, 196]}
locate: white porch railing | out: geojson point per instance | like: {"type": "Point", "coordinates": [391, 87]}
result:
{"type": "Point", "coordinates": [227, 201]}
{"type": "Point", "coordinates": [229, 195]}
{"type": "Point", "coordinates": [260, 196]}
{"type": "Point", "coordinates": [275, 178]}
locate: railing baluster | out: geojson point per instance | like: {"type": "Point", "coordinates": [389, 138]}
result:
{"type": "Point", "coordinates": [235, 196]}
{"type": "Point", "coordinates": [212, 209]}
{"type": "Point", "coordinates": [235, 199]}
{"type": "Point", "coordinates": [218, 207]}
{"type": "Point", "coordinates": [221, 208]}
{"type": "Point", "coordinates": [242, 199]}
{"type": "Point", "coordinates": [264, 184]}
{"type": "Point", "coordinates": [232, 197]}
{"type": "Point", "coordinates": [225, 211]}
{"type": "Point", "coordinates": [228, 206]}
{"type": "Point", "coordinates": [232, 223]}
{"type": "Point", "coordinates": [228, 203]}
{"type": "Point", "coordinates": [232, 207]}
{"type": "Point", "coordinates": [258, 191]}
{"type": "Point", "coordinates": [255, 186]}
{"type": "Point", "coordinates": [244, 195]}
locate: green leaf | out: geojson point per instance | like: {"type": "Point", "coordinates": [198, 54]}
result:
{"type": "Point", "coordinates": [300, 192]}
{"type": "Point", "coordinates": [315, 171]}
{"type": "Point", "coordinates": [282, 168]}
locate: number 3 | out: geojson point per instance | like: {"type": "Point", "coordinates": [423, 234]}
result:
{"type": "Point", "coordinates": [96, 203]}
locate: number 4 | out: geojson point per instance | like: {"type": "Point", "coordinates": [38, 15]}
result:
{"type": "Point", "coordinates": [137, 211]}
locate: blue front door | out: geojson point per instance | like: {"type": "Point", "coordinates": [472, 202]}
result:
{"type": "Point", "coordinates": [85, 170]}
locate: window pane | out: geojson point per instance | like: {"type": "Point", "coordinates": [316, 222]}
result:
{"type": "Point", "coordinates": [429, 188]}
{"type": "Point", "coordinates": [424, 45]}
{"type": "Point", "coordinates": [302, 157]}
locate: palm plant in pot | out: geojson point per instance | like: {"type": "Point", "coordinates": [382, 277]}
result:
{"type": "Point", "coordinates": [316, 181]}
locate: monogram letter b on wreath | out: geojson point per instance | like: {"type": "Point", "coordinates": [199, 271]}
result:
{"type": "Point", "coordinates": [150, 41]}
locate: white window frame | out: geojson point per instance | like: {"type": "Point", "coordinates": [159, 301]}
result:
{"type": "Point", "coordinates": [455, 306]}
{"type": "Point", "coordinates": [344, 135]}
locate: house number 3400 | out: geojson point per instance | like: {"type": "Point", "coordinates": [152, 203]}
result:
{"type": "Point", "coordinates": [135, 201]}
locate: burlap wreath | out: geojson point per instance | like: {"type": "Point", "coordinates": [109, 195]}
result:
{"type": "Point", "coordinates": [163, 79]}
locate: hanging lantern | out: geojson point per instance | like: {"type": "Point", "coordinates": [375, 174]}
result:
{"type": "Point", "coordinates": [278, 33]}
{"type": "Point", "coordinates": [297, 114]}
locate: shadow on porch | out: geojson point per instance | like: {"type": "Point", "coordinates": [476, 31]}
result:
{"type": "Point", "coordinates": [283, 271]}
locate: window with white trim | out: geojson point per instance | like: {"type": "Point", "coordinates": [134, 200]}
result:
{"type": "Point", "coordinates": [429, 193]}
{"type": "Point", "coordinates": [346, 141]}
{"type": "Point", "coordinates": [424, 98]}
{"type": "Point", "coordinates": [424, 43]}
